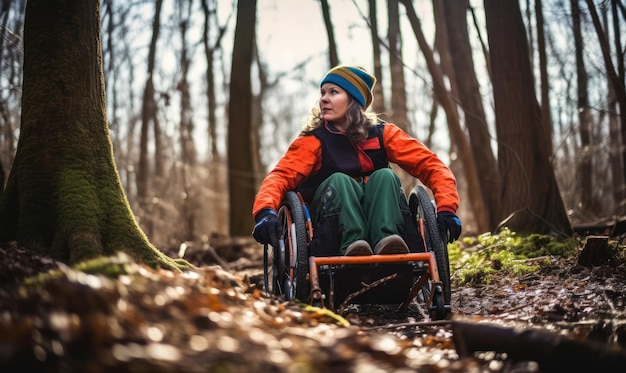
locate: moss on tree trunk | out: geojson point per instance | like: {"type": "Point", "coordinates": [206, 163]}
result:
{"type": "Point", "coordinates": [64, 195]}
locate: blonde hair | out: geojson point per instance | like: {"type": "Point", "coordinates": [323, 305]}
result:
{"type": "Point", "coordinates": [359, 121]}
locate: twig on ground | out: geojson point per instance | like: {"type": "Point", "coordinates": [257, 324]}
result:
{"type": "Point", "coordinates": [416, 323]}
{"type": "Point", "coordinates": [365, 288]}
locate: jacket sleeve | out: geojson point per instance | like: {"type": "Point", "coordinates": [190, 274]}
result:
{"type": "Point", "coordinates": [298, 162]}
{"type": "Point", "coordinates": [419, 161]}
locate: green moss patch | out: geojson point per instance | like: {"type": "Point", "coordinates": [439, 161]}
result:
{"type": "Point", "coordinates": [480, 259]}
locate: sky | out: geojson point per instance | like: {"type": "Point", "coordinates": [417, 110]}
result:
{"type": "Point", "coordinates": [291, 30]}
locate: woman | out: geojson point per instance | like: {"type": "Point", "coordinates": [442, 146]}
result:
{"type": "Point", "coordinates": [340, 165]}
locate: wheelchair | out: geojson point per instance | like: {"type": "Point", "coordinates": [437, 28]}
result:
{"type": "Point", "coordinates": [421, 277]}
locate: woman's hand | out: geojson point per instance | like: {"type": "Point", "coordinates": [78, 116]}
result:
{"type": "Point", "coordinates": [449, 225]}
{"type": "Point", "coordinates": [267, 229]}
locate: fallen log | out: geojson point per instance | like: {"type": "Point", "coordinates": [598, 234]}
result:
{"type": "Point", "coordinates": [553, 352]}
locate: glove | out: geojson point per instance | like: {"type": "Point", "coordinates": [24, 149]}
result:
{"type": "Point", "coordinates": [267, 229]}
{"type": "Point", "coordinates": [449, 222]}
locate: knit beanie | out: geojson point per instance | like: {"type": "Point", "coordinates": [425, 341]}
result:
{"type": "Point", "coordinates": [354, 80]}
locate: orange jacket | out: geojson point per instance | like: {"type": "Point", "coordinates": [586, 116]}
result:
{"type": "Point", "coordinates": [303, 158]}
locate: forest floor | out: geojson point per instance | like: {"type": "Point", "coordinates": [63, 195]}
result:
{"type": "Point", "coordinates": [563, 317]}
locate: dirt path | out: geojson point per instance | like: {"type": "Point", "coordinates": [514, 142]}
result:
{"type": "Point", "coordinates": [217, 320]}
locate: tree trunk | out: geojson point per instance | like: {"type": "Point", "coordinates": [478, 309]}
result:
{"type": "Point", "coordinates": [615, 80]}
{"type": "Point", "coordinates": [530, 193]}
{"type": "Point", "coordinates": [257, 114]}
{"type": "Point", "coordinates": [441, 47]}
{"type": "Point", "coordinates": [398, 88]}
{"type": "Point", "coordinates": [585, 171]}
{"type": "Point", "coordinates": [618, 182]}
{"type": "Point", "coordinates": [217, 183]}
{"type": "Point", "coordinates": [621, 73]}
{"type": "Point", "coordinates": [399, 112]}
{"type": "Point", "coordinates": [456, 132]}
{"type": "Point", "coordinates": [110, 68]}
{"type": "Point", "coordinates": [546, 117]}
{"type": "Point", "coordinates": [209, 52]}
{"type": "Point", "coordinates": [378, 105]}
{"type": "Point", "coordinates": [64, 196]}
{"type": "Point", "coordinates": [148, 121]}
{"type": "Point", "coordinates": [188, 151]}
{"type": "Point", "coordinates": [241, 161]}
{"type": "Point", "coordinates": [333, 56]}
{"type": "Point", "coordinates": [481, 39]}
{"type": "Point", "coordinates": [470, 101]}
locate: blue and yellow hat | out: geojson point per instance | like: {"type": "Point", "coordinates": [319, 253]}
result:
{"type": "Point", "coordinates": [354, 80]}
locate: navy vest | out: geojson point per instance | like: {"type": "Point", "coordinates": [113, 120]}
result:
{"type": "Point", "coordinates": [339, 154]}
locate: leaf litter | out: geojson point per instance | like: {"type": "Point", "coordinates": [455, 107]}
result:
{"type": "Point", "coordinates": [127, 317]}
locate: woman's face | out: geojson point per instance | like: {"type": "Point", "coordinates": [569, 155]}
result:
{"type": "Point", "coordinates": [334, 102]}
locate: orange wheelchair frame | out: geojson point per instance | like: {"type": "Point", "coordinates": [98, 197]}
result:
{"type": "Point", "coordinates": [337, 281]}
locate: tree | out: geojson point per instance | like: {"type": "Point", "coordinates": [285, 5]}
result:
{"type": "Point", "coordinates": [241, 144]}
{"type": "Point", "coordinates": [333, 56]}
{"type": "Point", "coordinates": [398, 87]}
{"type": "Point", "coordinates": [546, 117]}
{"type": "Point", "coordinates": [211, 46]}
{"type": "Point", "coordinates": [64, 195]}
{"type": "Point", "coordinates": [617, 175]}
{"type": "Point", "coordinates": [456, 133]}
{"type": "Point", "coordinates": [530, 193]}
{"type": "Point", "coordinates": [398, 99]}
{"type": "Point", "coordinates": [209, 10]}
{"type": "Point", "coordinates": [584, 116]}
{"type": "Point", "coordinates": [149, 119]}
{"type": "Point", "coordinates": [378, 106]}
{"type": "Point", "coordinates": [616, 81]}
{"type": "Point", "coordinates": [470, 101]}
{"type": "Point", "coordinates": [187, 147]}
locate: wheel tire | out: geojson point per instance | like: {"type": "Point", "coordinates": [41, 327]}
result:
{"type": "Point", "coordinates": [438, 308]}
{"type": "Point", "coordinates": [273, 269]}
{"type": "Point", "coordinates": [295, 236]}
{"type": "Point", "coordinates": [420, 203]}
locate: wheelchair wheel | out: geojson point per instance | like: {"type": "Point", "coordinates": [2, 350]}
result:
{"type": "Point", "coordinates": [293, 215]}
{"type": "Point", "coordinates": [421, 205]}
{"type": "Point", "coordinates": [274, 271]}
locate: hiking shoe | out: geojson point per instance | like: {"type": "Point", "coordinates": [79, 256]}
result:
{"type": "Point", "coordinates": [359, 248]}
{"type": "Point", "coordinates": [393, 244]}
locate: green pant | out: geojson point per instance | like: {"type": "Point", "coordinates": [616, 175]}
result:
{"type": "Point", "coordinates": [365, 211]}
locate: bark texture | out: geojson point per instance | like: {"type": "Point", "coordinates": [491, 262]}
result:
{"type": "Point", "coordinates": [64, 196]}
{"type": "Point", "coordinates": [469, 98]}
{"type": "Point", "coordinates": [530, 194]}
{"type": "Point", "coordinates": [241, 141]}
